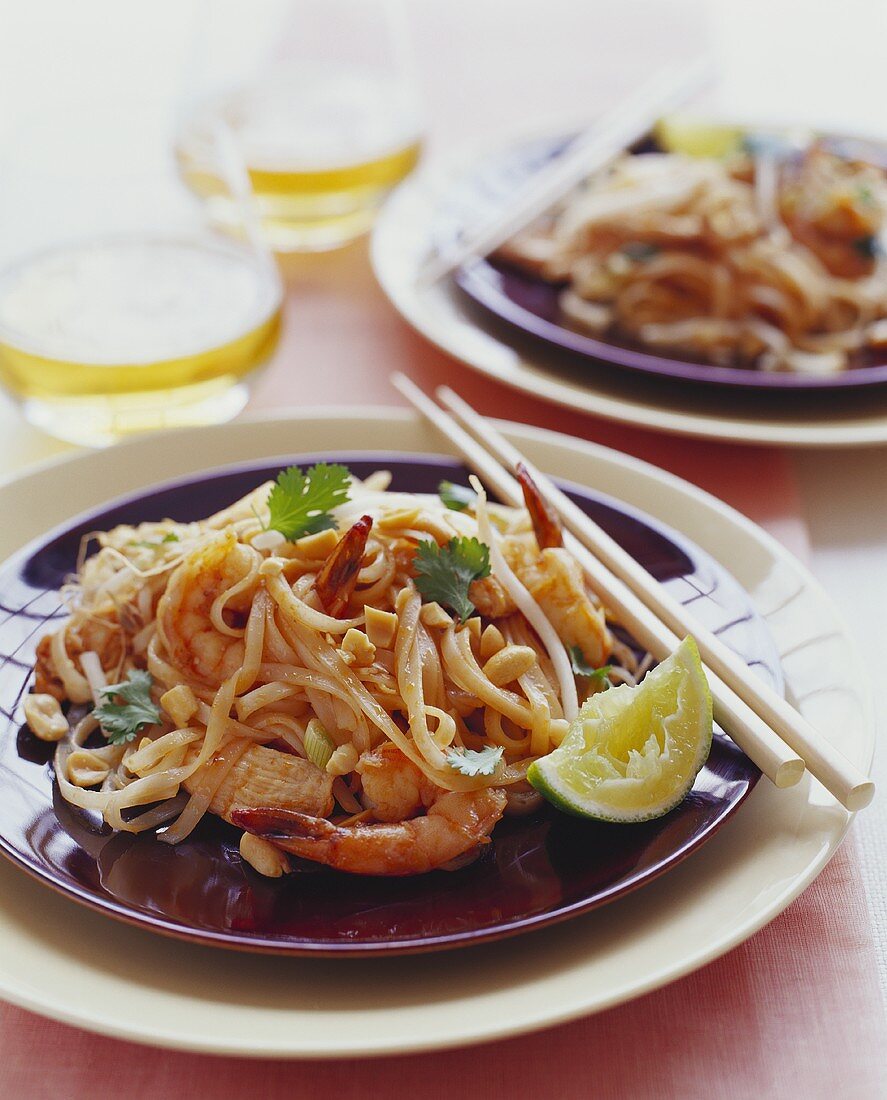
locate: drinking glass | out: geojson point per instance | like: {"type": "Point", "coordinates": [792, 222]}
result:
{"type": "Point", "coordinates": [120, 310]}
{"type": "Point", "coordinates": [320, 100]}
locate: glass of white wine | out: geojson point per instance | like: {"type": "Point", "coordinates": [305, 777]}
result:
{"type": "Point", "coordinates": [120, 309]}
{"type": "Point", "coordinates": [321, 100]}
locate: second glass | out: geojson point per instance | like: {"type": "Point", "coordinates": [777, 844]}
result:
{"type": "Point", "coordinates": [319, 97]}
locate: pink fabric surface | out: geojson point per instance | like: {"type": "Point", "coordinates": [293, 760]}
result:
{"type": "Point", "coordinates": [795, 1011]}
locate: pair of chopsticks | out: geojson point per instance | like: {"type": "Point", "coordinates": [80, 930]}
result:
{"type": "Point", "coordinates": [594, 148]}
{"type": "Point", "coordinates": [775, 736]}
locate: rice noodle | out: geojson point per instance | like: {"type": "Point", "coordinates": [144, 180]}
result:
{"type": "Point", "coordinates": [240, 649]}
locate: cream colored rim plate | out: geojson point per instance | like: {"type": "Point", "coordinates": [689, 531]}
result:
{"type": "Point", "coordinates": [69, 963]}
{"type": "Point", "coordinates": [402, 239]}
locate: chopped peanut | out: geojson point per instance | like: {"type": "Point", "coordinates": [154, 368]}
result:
{"type": "Point", "coordinates": [43, 713]}
{"type": "Point", "coordinates": [319, 545]}
{"type": "Point", "coordinates": [359, 646]}
{"type": "Point", "coordinates": [88, 767]}
{"type": "Point", "coordinates": [398, 518]}
{"type": "Point", "coordinates": [509, 663]}
{"type": "Point", "coordinates": [381, 627]}
{"type": "Point", "coordinates": [263, 856]}
{"type": "Point", "coordinates": [433, 615]}
{"type": "Point", "coordinates": [491, 641]}
{"type": "Point", "coordinates": [474, 628]}
{"type": "Point", "coordinates": [180, 703]}
{"type": "Point", "coordinates": [342, 761]}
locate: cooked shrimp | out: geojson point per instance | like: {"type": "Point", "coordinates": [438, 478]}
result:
{"type": "Point", "coordinates": [555, 581]}
{"type": "Point", "coordinates": [338, 576]}
{"type": "Point", "coordinates": [191, 616]}
{"type": "Point", "coordinates": [394, 788]}
{"type": "Point", "coordinates": [546, 522]}
{"type": "Point", "coordinates": [457, 822]}
{"type": "Point", "coordinates": [491, 599]}
{"type": "Point", "coordinates": [553, 578]}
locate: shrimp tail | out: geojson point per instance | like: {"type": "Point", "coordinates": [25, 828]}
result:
{"type": "Point", "coordinates": [546, 522]}
{"type": "Point", "coordinates": [280, 824]}
{"type": "Point", "coordinates": [337, 578]}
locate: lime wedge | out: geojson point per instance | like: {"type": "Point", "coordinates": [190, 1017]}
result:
{"type": "Point", "coordinates": [633, 752]}
{"type": "Point", "coordinates": [679, 134]}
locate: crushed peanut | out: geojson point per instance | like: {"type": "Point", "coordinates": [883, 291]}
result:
{"type": "Point", "coordinates": [509, 663]}
{"type": "Point", "coordinates": [88, 767]}
{"type": "Point", "coordinates": [491, 641]}
{"type": "Point", "coordinates": [263, 856]}
{"type": "Point", "coordinates": [180, 703]}
{"type": "Point", "coordinates": [359, 646]}
{"type": "Point", "coordinates": [398, 518]}
{"type": "Point", "coordinates": [381, 627]}
{"type": "Point", "coordinates": [433, 615]}
{"type": "Point", "coordinates": [319, 545]}
{"type": "Point", "coordinates": [43, 713]}
{"type": "Point", "coordinates": [342, 761]}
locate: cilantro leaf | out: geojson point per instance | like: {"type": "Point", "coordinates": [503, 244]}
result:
{"type": "Point", "coordinates": [300, 504]}
{"type": "Point", "coordinates": [586, 671]}
{"type": "Point", "coordinates": [120, 722]}
{"type": "Point", "coordinates": [444, 573]}
{"type": "Point", "coordinates": [456, 497]}
{"type": "Point", "coordinates": [470, 762]}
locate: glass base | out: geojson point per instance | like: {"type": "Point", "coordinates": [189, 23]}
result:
{"type": "Point", "coordinates": [297, 225]}
{"type": "Point", "coordinates": [97, 421]}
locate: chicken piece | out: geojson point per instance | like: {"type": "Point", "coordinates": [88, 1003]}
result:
{"type": "Point", "coordinates": [267, 778]}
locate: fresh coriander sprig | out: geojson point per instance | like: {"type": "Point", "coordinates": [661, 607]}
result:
{"type": "Point", "coordinates": [121, 722]}
{"type": "Point", "coordinates": [445, 573]}
{"type": "Point", "coordinates": [472, 762]}
{"type": "Point", "coordinates": [300, 503]}
{"type": "Point", "coordinates": [585, 671]}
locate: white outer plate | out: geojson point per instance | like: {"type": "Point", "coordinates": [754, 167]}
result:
{"type": "Point", "coordinates": [69, 963]}
{"type": "Point", "coordinates": [402, 238]}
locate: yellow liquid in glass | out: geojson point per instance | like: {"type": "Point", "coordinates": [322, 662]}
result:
{"type": "Point", "coordinates": [322, 151]}
{"type": "Point", "coordinates": [129, 334]}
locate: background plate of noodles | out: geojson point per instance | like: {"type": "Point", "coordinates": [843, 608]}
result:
{"type": "Point", "coordinates": [722, 270]}
{"type": "Point", "coordinates": [537, 869]}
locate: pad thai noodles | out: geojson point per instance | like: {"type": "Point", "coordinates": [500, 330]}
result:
{"type": "Point", "coordinates": [752, 261]}
{"type": "Point", "coordinates": [348, 674]}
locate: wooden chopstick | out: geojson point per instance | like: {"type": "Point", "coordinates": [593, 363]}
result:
{"type": "Point", "coordinates": [604, 140]}
{"type": "Point", "coordinates": [769, 752]}
{"type": "Point", "coordinates": [851, 787]}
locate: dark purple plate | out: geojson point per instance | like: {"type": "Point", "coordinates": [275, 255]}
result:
{"type": "Point", "coordinates": [537, 870]}
{"type": "Point", "coordinates": [531, 305]}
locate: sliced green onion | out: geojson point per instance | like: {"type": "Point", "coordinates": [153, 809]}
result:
{"type": "Point", "coordinates": [319, 746]}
